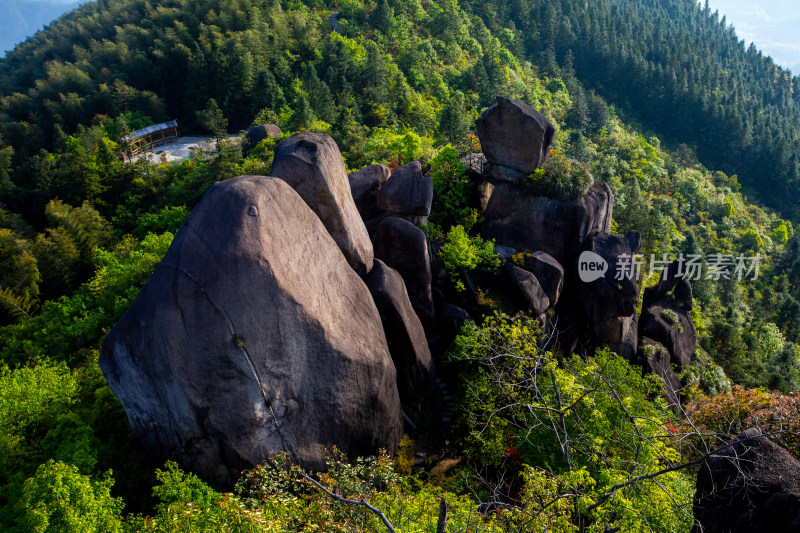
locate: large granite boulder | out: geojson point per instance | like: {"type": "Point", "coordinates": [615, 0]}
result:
{"type": "Point", "coordinates": [404, 247]}
{"type": "Point", "coordinates": [514, 137]}
{"type": "Point", "coordinates": [608, 290]}
{"type": "Point", "coordinates": [407, 193]}
{"type": "Point", "coordinates": [655, 359]}
{"type": "Point", "coordinates": [536, 223]}
{"type": "Point", "coordinates": [252, 336]}
{"type": "Point", "coordinates": [364, 185]}
{"type": "Point", "coordinates": [750, 485]}
{"type": "Point", "coordinates": [527, 287]}
{"type": "Point", "coordinates": [666, 315]}
{"type": "Point", "coordinates": [312, 164]}
{"type": "Point", "coordinates": [672, 326]}
{"type": "Point", "coordinates": [404, 334]}
{"type": "Point", "coordinates": [256, 134]}
{"type": "Point", "coordinates": [549, 273]}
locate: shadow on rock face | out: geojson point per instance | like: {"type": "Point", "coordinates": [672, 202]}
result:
{"type": "Point", "coordinates": [606, 289]}
{"type": "Point", "coordinates": [252, 336]}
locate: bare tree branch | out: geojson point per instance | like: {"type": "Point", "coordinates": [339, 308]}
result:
{"type": "Point", "coordinates": [361, 502]}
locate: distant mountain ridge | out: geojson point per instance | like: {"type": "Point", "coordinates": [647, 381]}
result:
{"type": "Point", "coordinates": [24, 18]}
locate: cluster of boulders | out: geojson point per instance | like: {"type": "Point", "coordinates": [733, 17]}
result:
{"type": "Point", "coordinates": [668, 337]}
{"type": "Point", "coordinates": [594, 311]}
{"type": "Point", "coordinates": [297, 312]}
{"type": "Point", "coordinates": [392, 205]}
{"type": "Point", "coordinates": [271, 326]}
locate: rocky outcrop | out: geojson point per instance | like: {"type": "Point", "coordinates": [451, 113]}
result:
{"type": "Point", "coordinates": [404, 334]}
{"type": "Point", "coordinates": [673, 327]}
{"type": "Point", "coordinates": [666, 317]}
{"type": "Point", "coordinates": [404, 247]}
{"type": "Point", "coordinates": [750, 485]}
{"type": "Point", "coordinates": [453, 318]}
{"type": "Point", "coordinates": [364, 186]}
{"type": "Point", "coordinates": [655, 359]}
{"type": "Point", "coordinates": [256, 134]}
{"type": "Point", "coordinates": [609, 300]}
{"type": "Point", "coordinates": [514, 137]}
{"type": "Point", "coordinates": [313, 166]}
{"type": "Point", "coordinates": [252, 336]}
{"type": "Point", "coordinates": [549, 272]}
{"type": "Point", "coordinates": [540, 224]}
{"type": "Point", "coordinates": [407, 194]}
{"type": "Point", "coordinates": [528, 288]}
{"type": "Point", "coordinates": [483, 193]}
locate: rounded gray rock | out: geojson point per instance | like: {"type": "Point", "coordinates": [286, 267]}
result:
{"type": "Point", "coordinates": [527, 287]}
{"type": "Point", "coordinates": [407, 193]}
{"type": "Point", "coordinates": [364, 185]}
{"type": "Point", "coordinates": [514, 135]}
{"type": "Point", "coordinates": [750, 485]}
{"type": "Point", "coordinates": [312, 164]}
{"type": "Point", "coordinates": [256, 134]}
{"type": "Point", "coordinates": [404, 247]}
{"type": "Point", "coordinates": [549, 272]}
{"type": "Point", "coordinates": [252, 336]}
{"type": "Point", "coordinates": [404, 334]}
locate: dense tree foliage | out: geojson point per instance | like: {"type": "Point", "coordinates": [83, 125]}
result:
{"type": "Point", "coordinates": [678, 67]}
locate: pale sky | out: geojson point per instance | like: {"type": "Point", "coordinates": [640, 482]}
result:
{"type": "Point", "coordinates": [773, 25]}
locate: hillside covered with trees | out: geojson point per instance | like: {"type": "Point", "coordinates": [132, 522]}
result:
{"type": "Point", "coordinates": [81, 230]}
{"type": "Point", "coordinates": [680, 69]}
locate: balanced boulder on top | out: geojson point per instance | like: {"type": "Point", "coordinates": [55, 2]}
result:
{"type": "Point", "coordinates": [515, 137]}
{"type": "Point", "coordinates": [252, 336]}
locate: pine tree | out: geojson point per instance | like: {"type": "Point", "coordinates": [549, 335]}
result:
{"type": "Point", "coordinates": [453, 123]}
{"type": "Point", "coordinates": [382, 15]}
{"type": "Point", "coordinates": [214, 120]}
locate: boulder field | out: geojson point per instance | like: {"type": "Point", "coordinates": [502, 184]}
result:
{"type": "Point", "coordinates": [306, 310]}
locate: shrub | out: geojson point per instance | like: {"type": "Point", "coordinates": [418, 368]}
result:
{"type": "Point", "coordinates": [670, 316]}
{"type": "Point", "coordinates": [560, 178]}
{"type": "Point", "coordinates": [31, 393]}
{"type": "Point", "coordinates": [167, 219]}
{"type": "Point", "coordinates": [589, 423]}
{"type": "Point", "coordinates": [461, 253]}
{"type": "Point", "coordinates": [704, 375]}
{"type": "Point", "coordinates": [59, 499]}
{"type": "Point", "coordinates": [451, 190]}
{"type": "Point", "coordinates": [751, 241]}
{"type": "Point", "coordinates": [176, 486]}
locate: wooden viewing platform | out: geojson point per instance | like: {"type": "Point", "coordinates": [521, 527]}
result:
{"type": "Point", "coordinates": [147, 137]}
